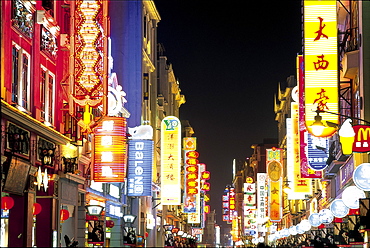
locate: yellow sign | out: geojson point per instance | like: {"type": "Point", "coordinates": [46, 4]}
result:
{"type": "Point", "coordinates": [321, 62]}
{"type": "Point", "coordinates": [170, 161]}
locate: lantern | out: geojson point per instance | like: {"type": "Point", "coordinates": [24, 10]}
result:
{"type": "Point", "coordinates": [109, 223]}
{"type": "Point", "coordinates": [36, 209]}
{"type": "Point", "coordinates": [64, 215]}
{"type": "Point", "coordinates": [7, 202]}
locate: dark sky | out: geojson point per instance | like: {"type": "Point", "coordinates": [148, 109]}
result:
{"type": "Point", "coordinates": [229, 57]}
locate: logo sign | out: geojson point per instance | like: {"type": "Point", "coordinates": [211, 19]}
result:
{"type": "Point", "coordinates": [171, 160]}
{"type": "Point", "coordinates": [321, 62]}
{"type": "Point", "coordinates": [140, 161]}
{"type": "Point", "coordinates": [361, 176]}
{"type": "Point", "coordinates": [318, 152]}
{"type": "Point", "coordinates": [109, 149]}
{"type": "Point", "coordinates": [190, 143]}
{"type": "Point", "coordinates": [362, 138]}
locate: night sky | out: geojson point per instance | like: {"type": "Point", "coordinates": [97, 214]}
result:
{"type": "Point", "coordinates": [229, 57]}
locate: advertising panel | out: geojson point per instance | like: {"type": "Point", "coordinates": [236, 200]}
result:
{"type": "Point", "coordinates": [305, 170]}
{"type": "Point", "coordinates": [109, 150]}
{"type": "Point", "coordinates": [274, 159]}
{"type": "Point", "coordinates": [171, 161]}
{"type": "Point", "coordinates": [321, 63]}
{"type": "Point", "coordinates": [140, 162]}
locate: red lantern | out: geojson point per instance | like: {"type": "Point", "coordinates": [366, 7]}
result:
{"type": "Point", "coordinates": [7, 202]}
{"type": "Point", "coordinates": [36, 209]}
{"type": "Point", "coordinates": [109, 223]}
{"type": "Point", "coordinates": [64, 214]}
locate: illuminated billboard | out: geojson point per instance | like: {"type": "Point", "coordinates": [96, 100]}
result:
{"type": "Point", "coordinates": [139, 171]}
{"type": "Point", "coordinates": [321, 63]}
{"type": "Point", "coordinates": [171, 161]}
{"type": "Point", "coordinates": [109, 150]}
{"type": "Point", "coordinates": [89, 58]}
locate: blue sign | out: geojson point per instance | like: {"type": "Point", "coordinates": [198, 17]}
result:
{"type": "Point", "coordinates": [139, 172]}
{"type": "Point", "coordinates": [317, 152]}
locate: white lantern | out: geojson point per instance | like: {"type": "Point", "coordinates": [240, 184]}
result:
{"type": "Point", "coordinates": [338, 208]}
{"type": "Point", "coordinates": [351, 196]}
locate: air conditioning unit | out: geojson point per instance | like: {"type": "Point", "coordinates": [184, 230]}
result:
{"type": "Point", "coordinates": [40, 16]}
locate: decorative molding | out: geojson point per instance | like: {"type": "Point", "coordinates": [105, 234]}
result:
{"type": "Point", "coordinates": [13, 114]}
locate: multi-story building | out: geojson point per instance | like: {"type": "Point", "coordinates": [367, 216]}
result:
{"type": "Point", "coordinates": [68, 66]}
{"type": "Point", "coordinates": [338, 173]}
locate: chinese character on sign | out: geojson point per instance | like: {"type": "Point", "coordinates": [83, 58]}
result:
{"type": "Point", "coordinates": [319, 32]}
{"type": "Point", "coordinates": [321, 101]}
{"type": "Point", "coordinates": [321, 63]}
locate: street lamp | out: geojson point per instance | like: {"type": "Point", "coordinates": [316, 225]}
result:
{"type": "Point", "coordinates": [130, 237]}
{"type": "Point", "coordinates": [318, 126]}
{"type": "Point", "coordinates": [94, 209]}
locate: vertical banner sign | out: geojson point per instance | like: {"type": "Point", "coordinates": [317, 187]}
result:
{"type": "Point", "coordinates": [232, 202]}
{"type": "Point", "coordinates": [109, 150]}
{"type": "Point", "coordinates": [306, 171]}
{"type": "Point", "coordinates": [261, 196]}
{"type": "Point", "coordinates": [194, 217]}
{"type": "Point", "coordinates": [89, 58]}
{"type": "Point", "coordinates": [170, 161]}
{"type": "Point", "coordinates": [249, 207]}
{"type": "Point", "coordinates": [225, 205]}
{"type": "Point", "coordinates": [191, 189]}
{"type": "Point", "coordinates": [321, 62]}
{"type": "Point", "coordinates": [300, 185]}
{"type": "Point", "coordinates": [274, 159]}
{"type": "Point", "coordinates": [140, 162]}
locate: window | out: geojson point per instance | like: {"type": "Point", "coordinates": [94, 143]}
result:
{"type": "Point", "coordinates": [47, 95]}
{"type": "Point", "coordinates": [21, 78]}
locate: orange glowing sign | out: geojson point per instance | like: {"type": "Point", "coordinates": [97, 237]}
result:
{"type": "Point", "coordinates": [192, 154]}
{"type": "Point", "coordinates": [192, 161]}
{"type": "Point", "coordinates": [192, 183]}
{"type": "Point", "coordinates": [274, 160]}
{"type": "Point", "coordinates": [206, 175]}
{"type": "Point", "coordinates": [207, 209]}
{"type": "Point", "coordinates": [192, 168]}
{"type": "Point", "coordinates": [109, 150]}
{"type": "Point", "coordinates": [206, 187]}
{"type": "Point", "coordinates": [321, 63]}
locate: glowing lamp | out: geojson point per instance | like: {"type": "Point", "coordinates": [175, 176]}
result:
{"type": "Point", "coordinates": [317, 127]}
{"type": "Point", "coordinates": [94, 209]}
{"type": "Point", "coordinates": [7, 202]}
{"type": "Point", "coordinates": [64, 215]}
{"type": "Point", "coordinates": [36, 209]}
